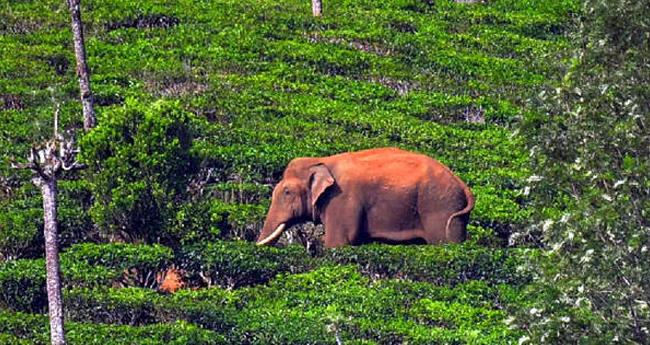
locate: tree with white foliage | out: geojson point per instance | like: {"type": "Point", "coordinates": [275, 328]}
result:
{"type": "Point", "coordinates": [591, 154]}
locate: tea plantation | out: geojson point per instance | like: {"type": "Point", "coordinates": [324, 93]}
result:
{"type": "Point", "coordinates": [201, 104]}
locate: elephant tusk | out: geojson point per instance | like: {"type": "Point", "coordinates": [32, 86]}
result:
{"type": "Point", "coordinates": [273, 236]}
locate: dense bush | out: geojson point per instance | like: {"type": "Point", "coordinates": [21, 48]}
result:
{"type": "Point", "coordinates": [238, 221]}
{"type": "Point", "coordinates": [316, 308]}
{"type": "Point", "coordinates": [448, 264]}
{"type": "Point", "coordinates": [19, 228]}
{"type": "Point", "coordinates": [141, 161]}
{"type": "Point", "coordinates": [22, 282]}
{"type": "Point", "coordinates": [34, 330]}
{"type": "Point", "coordinates": [339, 302]}
{"type": "Point", "coordinates": [140, 265]}
{"type": "Point", "coordinates": [234, 264]}
{"type": "Point", "coordinates": [212, 308]}
{"type": "Point", "coordinates": [21, 225]}
{"type": "Point", "coordinates": [127, 306]}
{"type": "Point", "coordinates": [121, 255]}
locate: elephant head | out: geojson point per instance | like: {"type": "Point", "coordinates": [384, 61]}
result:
{"type": "Point", "coordinates": [295, 197]}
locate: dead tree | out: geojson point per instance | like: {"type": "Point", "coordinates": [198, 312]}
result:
{"type": "Point", "coordinates": [82, 66]}
{"type": "Point", "coordinates": [317, 7]}
{"type": "Point", "coordinates": [46, 161]}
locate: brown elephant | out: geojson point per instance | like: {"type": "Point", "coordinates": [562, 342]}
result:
{"type": "Point", "coordinates": [385, 195]}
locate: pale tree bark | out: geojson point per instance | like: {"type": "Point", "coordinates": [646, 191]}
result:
{"type": "Point", "coordinates": [54, 300]}
{"type": "Point", "coordinates": [317, 7]}
{"type": "Point", "coordinates": [47, 161]}
{"type": "Point", "coordinates": [82, 66]}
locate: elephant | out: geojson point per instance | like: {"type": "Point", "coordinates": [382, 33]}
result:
{"type": "Point", "coordinates": [386, 195]}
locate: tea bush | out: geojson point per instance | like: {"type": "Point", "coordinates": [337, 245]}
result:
{"type": "Point", "coordinates": [331, 301]}
{"type": "Point", "coordinates": [34, 329]}
{"type": "Point", "coordinates": [22, 282]}
{"type": "Point", "coordinates": [121, 255]}
{"type": "Point", "coordinates": [127, 306]}
{"type": "Point", "coordinates": [234, 264]}
{"type": "Point", "coordinates": [441, 265]}
{"type": "Point", "coordinates": [340, 302]}
{"type": "Point", "coordinates": [21, 226]}
{"type": "Point", "coordinates": [211, 308]}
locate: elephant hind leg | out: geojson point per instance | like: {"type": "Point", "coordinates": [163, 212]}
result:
{"type": "Point", "coordinates": [434, 226]}
{"type": "Point", "coordinates": [457, 230]}
{"type": "Point", "coordinates": [437, 231]}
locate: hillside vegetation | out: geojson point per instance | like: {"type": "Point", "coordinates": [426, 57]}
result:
{"type": "Point", "coordinates": [201, 104]}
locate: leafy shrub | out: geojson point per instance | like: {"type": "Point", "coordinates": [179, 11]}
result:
{"type": "Point", "coordinates": [141, 160]}
{"type": "Point", "coordinates": [121, 255]}
{"type": "Point", "coordinates": [337, 301]}
{"type": "Point", "coordinates": [10, 339]}
{"type": "Point", "coordinates": [485, 237]}
{"type": "Point", "coordinates": [442, 265]}
{"type": "Point", "coordinates": [196, 221]}
{"type": "Point", "coordinates": [34, 328]}
{"type": "Point", "coordinates": [140, 265]}
{"type": "Point", "coordinates": [21, 226]}
{"type": "Point", "coordinates": [234, 264]}
{"type": "Point", "coordinates": [23, 285]}
{"type": "Point", "coordinates": [127, 306]}
{"type": "Point", "coordinates": [238, 221]}
{"type": "Point", "coordinates": [212, 308]}
{"type": "Point", "coordinates": [20, 229]}
{"type": "Point", "coordinates": [22, 282]}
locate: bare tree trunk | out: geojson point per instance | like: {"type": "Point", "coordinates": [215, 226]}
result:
{"type": "Point", "coordinates": [54, 299]}
{"type": "Point", "coordinates": [46, 161]}
{"type": "Point", "coordinates": [82, 66]}
{"type": "Point", "coordinates": [316, 7]}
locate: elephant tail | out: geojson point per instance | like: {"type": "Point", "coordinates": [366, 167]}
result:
{"type": "Point", "coordinates": [469, 197]}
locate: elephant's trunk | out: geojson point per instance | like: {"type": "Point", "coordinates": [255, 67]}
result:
{"type": "Point", "coordinates": [273, 236]}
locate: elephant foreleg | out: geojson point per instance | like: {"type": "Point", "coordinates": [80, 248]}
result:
{"type": "Point", "coordinates": [342, 224]}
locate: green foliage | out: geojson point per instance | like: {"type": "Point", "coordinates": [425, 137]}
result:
{"type": "Point", "coordinates": [238, 221]}
{"type": "Point", "coordinates": [18, 228]}
{"type": "Point", "coordinates": [339, 301]}
{"type": "Point", "coordinates": [591, 184]}
{"type": "Point", "coordinates": [441, 265]}
{"type": "Point", "coordinates": [234, 264]}
{"type": "Point", "coordinates": [22, 282]}
{"type": "Point", "coordinates": [141, 161]}
{"type": "Point", "coordinates": [127, 306]}
{"type": "Point", "coordinates": [121, 255]}
{"type": "Point", "coordinates": [210, 308]}
{"type": "Point", "coordinates": [21, 226]}
{"type": "Point", "coordinates": [34, 329]}
{"type": "Point", "coordinates": [23, 285]}
{"type": "Point", "coordinates": [316, 307]}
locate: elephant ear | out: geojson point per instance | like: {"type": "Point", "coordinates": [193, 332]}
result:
{"type": "Point", "coordinates": [320, 179]}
